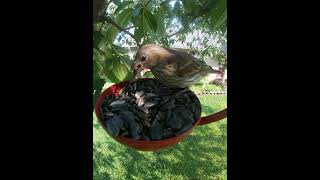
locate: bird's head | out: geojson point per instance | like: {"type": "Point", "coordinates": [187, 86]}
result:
{"type": "Point", "coordinates": [146, 58]}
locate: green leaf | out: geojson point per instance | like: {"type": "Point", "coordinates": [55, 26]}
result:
{"type": "Point", "coordinates": [138, 30]}
{"type": "Point", "coordinates": [97, 68]}
{"type": "Point", "coordinates": [103, 64]}
{"type": "Point", "coordinates": [166, 7]}
{"type": "Point", "coordinates": [116, 2]}
{"type": "Point", "coordinates": [120, 49]}
{"type": "Point", "coordinates": [136, 12]}
{"type": "Point", "coordinates": [109, 67]}
{"type": "Point", "coordinates": [142, 25]}
{"type": "Point", "coordinates": [97, 37]}
{"type": "Point", "coordinates": [161, 29]}
{"type": "Point", "coordinates": [120, 70]}
{"type": "Point", "coordinates": [151, 20]}
{"type": "Point", "coordinates": [103, 45]}
{"type": "Point", "coordinates": [187, 4]}
{"type": "Point", "coordinates": [122, 20]}
{"type": "Point", "coordinates": [145, 26]}
{"type": "Point", "coordinates": [98, 81]}
{"type": "Point", "coordinates": [222, 20]}
{"type": "Point", "coordinates": [128, 63]}
{"type": "Point", "coordinates": [97, 87]}
{"type": "Point", "coordinates": [115, 63]}
{"type": "Point", "coordinates": [218, 14]}
{"type": "Point", "coordinates": [122, 6]}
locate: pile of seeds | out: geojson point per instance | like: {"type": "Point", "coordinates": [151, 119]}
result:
{"type": "Point", "coordinates": [148, 110]}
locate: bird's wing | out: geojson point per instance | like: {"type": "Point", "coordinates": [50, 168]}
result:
{"type": "Point", "coordinates": [188, 65]}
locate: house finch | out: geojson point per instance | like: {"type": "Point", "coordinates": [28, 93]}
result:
{"type": "Point", "coordinates": [172, 67]}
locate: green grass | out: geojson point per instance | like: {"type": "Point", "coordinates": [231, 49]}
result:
{"type": "Point", "coordinates": [211, 87]}
{"type": "Point", "coordinates": [202, 155]}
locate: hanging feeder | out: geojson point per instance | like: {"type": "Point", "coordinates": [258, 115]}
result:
{"type": "Point", "coordinates": [151, 145]}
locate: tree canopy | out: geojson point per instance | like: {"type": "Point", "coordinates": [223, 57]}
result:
{"type": "Point", "coordinates": [122, 23]}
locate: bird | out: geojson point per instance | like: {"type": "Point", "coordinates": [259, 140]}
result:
{"type": "Point", "coordinates": [172, 67]}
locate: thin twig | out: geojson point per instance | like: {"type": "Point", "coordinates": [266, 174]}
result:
{"type": "Point", "coordinates": [128, 27]}
{"type": "Point", "coordinates": [175, 32]}
{"type": "Point", "coordinates": [112, 22]}
{"type": "Point", "coordinates": [181, 30]}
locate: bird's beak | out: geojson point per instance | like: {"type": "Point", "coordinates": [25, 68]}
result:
{"type": "Point", "coordinates": [216, 71]}
{"type": "Point", "coordinates": [137, 69]}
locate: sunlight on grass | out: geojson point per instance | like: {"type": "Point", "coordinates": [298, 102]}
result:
{"type": "Point", "coordinates": [210, 87]}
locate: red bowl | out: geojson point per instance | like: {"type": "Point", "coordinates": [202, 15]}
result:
{"type": "Point", "coordinates": [153, 145]}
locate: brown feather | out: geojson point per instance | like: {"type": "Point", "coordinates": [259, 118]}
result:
{"type": "Point", "coordinates": [174, 68]}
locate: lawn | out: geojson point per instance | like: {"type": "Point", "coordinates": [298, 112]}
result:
{"type": "Point", "coordinates": [202, 155]}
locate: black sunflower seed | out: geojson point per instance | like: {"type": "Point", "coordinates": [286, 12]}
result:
{"type": "Point", "coordinates": [183, 129]}
{"type": "Point", "coordinates": [142, 109]}
{"type": "Point", "coordinates": [138, 94]}
{"type": "Point", "coordinates": [149, 110]}
{"type": "Point", "coordinates": [113, 125]}
{"type": "Point", "coordinates": [118, 103]}
{"type": "Point", "coordinates": [150, 104]}
{"type": "Point", "coordinates": [175, 122]}
{"type": "Point", "coordinates": [167, 133]}
{"type": "Point", "coordinates": [156, 130]}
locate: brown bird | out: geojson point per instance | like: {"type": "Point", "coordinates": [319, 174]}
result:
{"type": "Point", "coordinates": [172, 67]}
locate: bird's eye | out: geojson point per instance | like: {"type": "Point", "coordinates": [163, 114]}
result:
{"type": "Point", "coordinates": [143, 59]}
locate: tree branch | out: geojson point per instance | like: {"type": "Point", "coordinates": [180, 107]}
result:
{"type": "Point", "coordinates": [128, 27]}
{"type": "Point", "coordinates": [181, 30]}
{"type": "Point", "coordinates": [112, 22]}
{"type": "Point", "coordinates": [175, 33]}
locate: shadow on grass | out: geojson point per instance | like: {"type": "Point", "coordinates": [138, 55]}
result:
{"type": "Point", "coordinates": [202, 155]}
